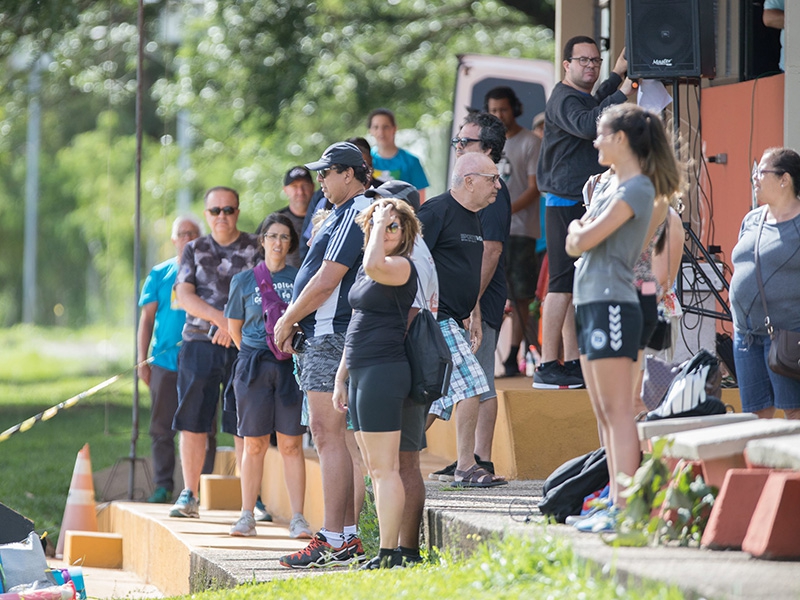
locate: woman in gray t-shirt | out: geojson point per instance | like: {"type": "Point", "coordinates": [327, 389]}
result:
{"type": "Point", "coordinates": [609, 239]}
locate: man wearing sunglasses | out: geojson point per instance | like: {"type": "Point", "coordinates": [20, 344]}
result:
{"type": "Point", "coordinates": [207, 352]}
{"type": "Point", "coordinates": [321, 309]}
{"type": "Point", "coordinates": [567, 159]}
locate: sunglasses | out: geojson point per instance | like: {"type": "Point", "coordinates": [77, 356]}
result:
{"type": "Point", "coordinates": [323, 173]}
{"type": "Point", "coordinates": [457, 141]}
{"type": "Point", "coordinates": [228, 210]}
{"type": "Point", "coordinates": [390, 228]}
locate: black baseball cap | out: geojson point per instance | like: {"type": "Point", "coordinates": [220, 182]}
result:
{"type": "Point", "coordinates": [396, 189]}
{"type": "Point", "coordinates": [295, 173]}
{"type": "Point", "coordinates": [341, 153]}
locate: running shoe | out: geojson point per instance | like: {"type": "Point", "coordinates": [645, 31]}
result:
{"type": "Point", "coordinates": [244, 527]}
{"type": "Point", "coordinates": [318, 554]}
{"type": "Point", "coordinates": [186, 506]}
{"type": "Point", "coordinates": [448, 473]}
{"type": "Point", "coordinates": [298, 528]}
{"type": "Point", "coordinates": [352, 552]}
{"type": "Point", "coordinates": [554, 376]}
{"type": "Point", "coordinates": [161, 495]}
{"type": "Point", "coordinates": [260, 512]}
{"type": "Point", "coordinates": [603, 521]}
{"type": "Point", "coordinates": [393, 561]}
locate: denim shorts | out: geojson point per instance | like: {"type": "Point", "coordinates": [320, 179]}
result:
{"type": "Point", "coordinates": [759, 386]}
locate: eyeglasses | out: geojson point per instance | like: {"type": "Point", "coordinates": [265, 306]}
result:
{"type": "Point", "coordinates": [585, 60]}
{"type": "Point", "coordinates": [391, 227]}
{"type": "Point", "coordinates": [323, 173]}
{"type": "Point", "coordinates": [494, 176]}
{"type": "Point", "coordinates": [188, 234]}
{"type": "Point", "coordinates": [215, 210]}
{"type": "Point", "coordinates": [759, 173]}
{"type": "Point", "coordinates": [457, 141]}
{"type": "Point", "coordinates": [283, 237]}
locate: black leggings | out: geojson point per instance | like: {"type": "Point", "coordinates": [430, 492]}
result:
{"type": "Point", "coordinates": [377, 394]}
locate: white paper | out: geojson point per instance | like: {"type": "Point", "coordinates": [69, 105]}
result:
{"type": "Point", "coordinates": [652, 95]}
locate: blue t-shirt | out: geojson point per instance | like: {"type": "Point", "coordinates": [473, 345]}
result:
{"type": "Point", "coordinates": [159, 287]}
{"type": "Point", "coordinates": [403, 166]}
{"type": "Point", "coordinates": [339, 240]}
{"type": "Point", "coordinates": [244, 302]}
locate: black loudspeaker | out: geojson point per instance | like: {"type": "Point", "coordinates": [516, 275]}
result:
{"type": "Point", "coordinates": [670, 39]}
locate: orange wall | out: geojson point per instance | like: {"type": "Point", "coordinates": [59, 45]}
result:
{"type": "Point", "coordinates": [731, 127]}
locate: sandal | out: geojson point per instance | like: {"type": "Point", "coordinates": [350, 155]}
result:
{"type": "Point", "coordinates": [476, 477]}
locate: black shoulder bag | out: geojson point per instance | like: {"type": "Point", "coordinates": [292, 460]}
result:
{"type": "Point", "coordinates": [427, 351]}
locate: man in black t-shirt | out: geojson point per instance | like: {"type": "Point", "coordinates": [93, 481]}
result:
{"type": "Point", "coordinates": [453, 233]}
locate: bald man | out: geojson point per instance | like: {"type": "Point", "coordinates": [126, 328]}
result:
{"type": "Point", "coordinates": [452, 231]}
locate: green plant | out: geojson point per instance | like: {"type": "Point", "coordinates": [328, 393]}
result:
{"type": "Point", "coordinates": [664, 507]}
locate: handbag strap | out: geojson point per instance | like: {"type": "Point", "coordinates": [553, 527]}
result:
{"type": "Point", "coordinates": [760, 282]}
{"type": "Point", "coordinates": [397, 301]}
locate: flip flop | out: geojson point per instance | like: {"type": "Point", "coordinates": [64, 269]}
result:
{"type": "Point", "coordinates": [476, 477]}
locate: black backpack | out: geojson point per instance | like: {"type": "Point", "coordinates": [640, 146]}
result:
{"type": "Point", "coordinates": [566, 487]}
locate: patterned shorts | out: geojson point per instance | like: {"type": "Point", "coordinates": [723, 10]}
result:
{"type": "Point", "coordinates": [317, 364]}
{"type": "Point", "coordinates": [468, 378]}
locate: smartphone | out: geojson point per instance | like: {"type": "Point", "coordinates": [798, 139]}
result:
{"type": "Point", "coordinates": [298, 341]}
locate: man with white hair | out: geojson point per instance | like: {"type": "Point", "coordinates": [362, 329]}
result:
{"type": "Point", "coordinates": [453, 233]}
{"type": "Point", "coordinates": [161, 322]}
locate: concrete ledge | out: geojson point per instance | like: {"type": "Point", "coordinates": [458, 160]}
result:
{"type": "Point", "coordinates": [651, 429]}
{"type": "Point", "coordinates": [724, 441]}
{"type": "Point", "coordinates": [779, 452]}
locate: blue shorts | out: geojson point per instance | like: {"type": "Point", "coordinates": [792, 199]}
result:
{"type": "Point", "coordinates": [759, 386]}
{"type": "Point", "coordinates": [204, 373]}
{"type": "Point", "coordinates": [468, 378]}
{"type": "Point", "coordinates": [608, 329]}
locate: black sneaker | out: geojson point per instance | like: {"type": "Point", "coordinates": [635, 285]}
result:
{"type": "Point", "coordinates": [393, 561]}
{"type": "Point", "coordinates": [573, 367]}
{"type": "Point", "coordinates": [554, 376]}
{"type": "Point", "coordinates": [446, 474]}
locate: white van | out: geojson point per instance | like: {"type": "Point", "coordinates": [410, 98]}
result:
{"type": "Point", "coordinates": [531, 80]}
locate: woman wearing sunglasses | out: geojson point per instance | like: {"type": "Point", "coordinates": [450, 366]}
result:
{"type": "Point", "coordinates": [375, 358]}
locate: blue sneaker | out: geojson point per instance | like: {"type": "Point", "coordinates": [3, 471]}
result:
{"type": "Point", "coordinates": [186, 506]}
{"type": "Point", "coordinates": [603, 521]}
{"type": "Point", "coordinates": [260, 512]}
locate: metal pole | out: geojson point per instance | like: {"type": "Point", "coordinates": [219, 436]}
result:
{"type": "Point", "coordinates": [31, 195]}
{"type": "Point", "coordinates": [137, 244]}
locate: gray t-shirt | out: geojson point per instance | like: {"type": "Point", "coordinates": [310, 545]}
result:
{"type": "Point", "coordinates": [605, 273]}
{"type": "Point", "coordinates": [520, 156]}
{"type": "Point", "coordinates": [779, 257]}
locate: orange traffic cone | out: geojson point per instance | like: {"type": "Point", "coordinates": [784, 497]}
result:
{"type": "Point", "coordinates": [79, 513]}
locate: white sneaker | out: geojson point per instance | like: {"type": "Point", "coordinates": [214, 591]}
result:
{"type": "Point", "coordinates": [244, 527]}
{"type": "Point", "coordinates": [298, 528]}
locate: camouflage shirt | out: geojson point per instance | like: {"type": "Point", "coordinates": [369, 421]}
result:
{"type": "Point", "coordinates": [209, 267]}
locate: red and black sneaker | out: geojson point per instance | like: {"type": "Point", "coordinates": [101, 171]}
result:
{"type": "Point", "coordinates": [318, 553]}
{"type": "Point", "coordinates": [351, 553]}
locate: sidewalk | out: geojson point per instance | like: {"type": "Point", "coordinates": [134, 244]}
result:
{"type": "Point", "coordinates": [453, 518]}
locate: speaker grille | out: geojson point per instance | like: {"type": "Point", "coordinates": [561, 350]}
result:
{"type": "Point", "coordinates": [663, 38]}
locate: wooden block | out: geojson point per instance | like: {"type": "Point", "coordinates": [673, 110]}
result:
{"type": "Point", "coordinates": [93, 549]}
{"type": "Point", "coordinates": [220, 492]}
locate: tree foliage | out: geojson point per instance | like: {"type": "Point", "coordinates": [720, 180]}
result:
{"type": "Point", "coordinates": [267, 84]}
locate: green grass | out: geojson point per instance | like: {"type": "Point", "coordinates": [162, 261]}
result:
{"type": "Point", "coordinates": [513, 568]}
{"type": "Point", "coordinates": [40, 368]}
